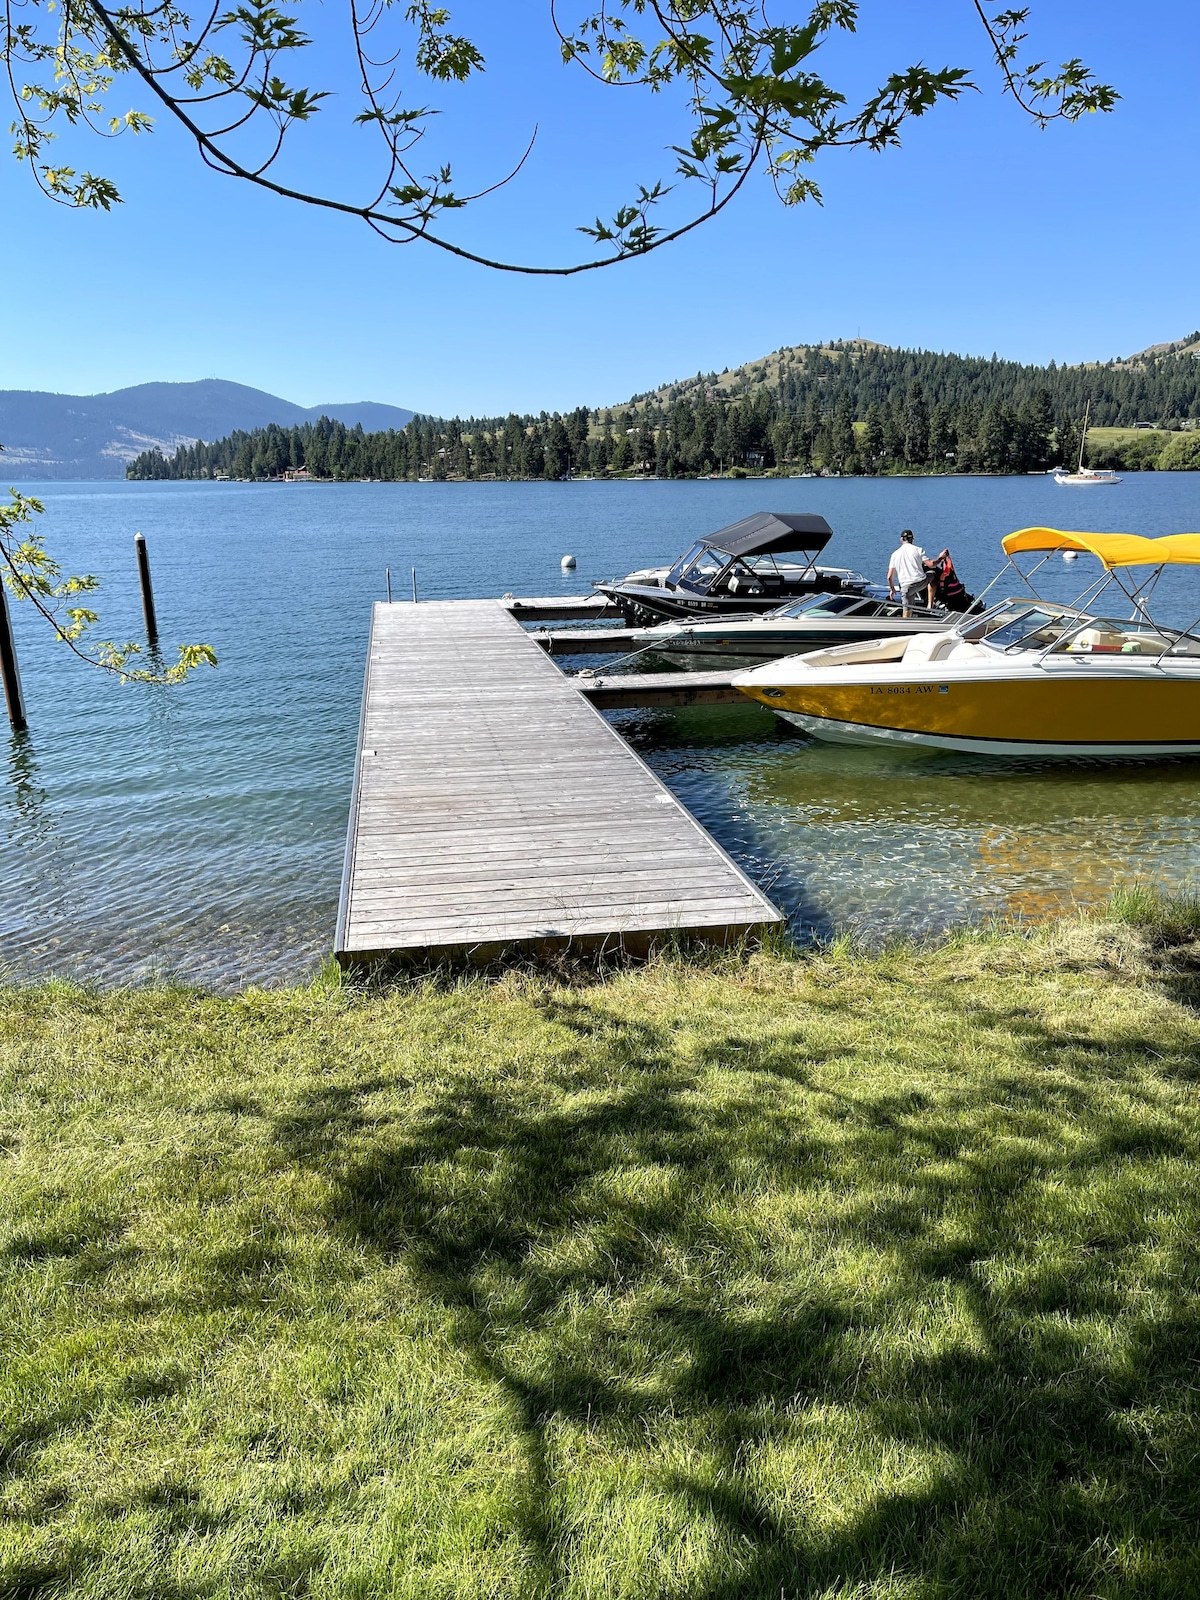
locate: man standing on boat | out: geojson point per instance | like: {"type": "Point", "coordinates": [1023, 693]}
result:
{"type": "Point", "coordinates": [907, 571]}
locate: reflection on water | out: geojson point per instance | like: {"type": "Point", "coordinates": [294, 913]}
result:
{"type": "Point", "coordinates": [32, 843]}
{"type": "Point", "coordinates": [200, 831]}
{"type": "Point", "coordinates": [886, 841]}
{"type": "Point", "coordinates": [25, 801]}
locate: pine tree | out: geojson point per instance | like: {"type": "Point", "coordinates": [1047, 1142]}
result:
{"type": "Point", "coordinates": [893, 434]}
{"type": "Point", "coordinates": [558, 450]}
{"type": "Point", "coordinates": [533, 463]}
{"type": "Point", "coordinates": [968, 424]}
{"type": "Point", "coordinates": [721, 449]}
{"type": "Point", "coordinates": [646, 448]}
{"type": "Point", "coordinates": [996, 438]}
{"type": "Point", "coordinates": [1036, 421]}
{"type": "Point", "coordinates": [513, 465]}
{"type": "Point", "coordinates": [577, 430]}
{"type": "Point", "coordinates": [941, 438]}
{"type": "Point", "coordinates": [737, 433]}
{"type": "Point", "coordinates": [872, 445]}
{"type": "Point", "coordinates": [841, 435]}
{"type": "Point", "coordinates": [916, 427]}
{"type": "Point", "coordinates": [1066, 443]}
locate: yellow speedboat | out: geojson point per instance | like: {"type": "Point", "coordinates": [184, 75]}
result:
{"type": "Point", "coordinates": [1026, 677]}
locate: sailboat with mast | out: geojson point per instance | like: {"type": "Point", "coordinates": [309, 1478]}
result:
{"type": "Point", "coordinates": [1085, 477]}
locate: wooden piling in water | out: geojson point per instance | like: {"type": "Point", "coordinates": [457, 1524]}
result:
{"type": "Point", "coordinates": [9, 671]}
{"type": "Point", "coordinates": [143, 561]}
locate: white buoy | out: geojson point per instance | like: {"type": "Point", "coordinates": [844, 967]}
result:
{"type": "Point", "coordinates": [567, 563]}
{"type": "Point", "coordinates": [1070, 555]}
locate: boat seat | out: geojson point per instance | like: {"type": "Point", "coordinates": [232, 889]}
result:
{"type": "Point", "coordinates": [929, 647]}
{"type": "Point", "coordinates": [1145, 644]}
{"type": "Point", "coordinates": [841, 655]}
{"type": "Point", "coordinates": [1098, 641]}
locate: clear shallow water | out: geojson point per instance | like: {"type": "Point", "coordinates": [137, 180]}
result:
{"type": "Point", "coordinates": [199, 831]}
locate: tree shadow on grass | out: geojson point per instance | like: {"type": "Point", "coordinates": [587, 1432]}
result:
{"type": "Point", "coordinates": [1006, 1396]}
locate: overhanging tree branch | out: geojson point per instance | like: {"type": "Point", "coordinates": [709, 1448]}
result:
{"type": "Point", "coordinates": [1064, 96]}
{"type": "Point", "coordinates": [745, 82]}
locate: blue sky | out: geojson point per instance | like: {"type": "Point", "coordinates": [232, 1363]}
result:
{"type": "Point", "coordinates": [980, 234]}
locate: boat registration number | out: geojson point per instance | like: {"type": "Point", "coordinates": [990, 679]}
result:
{"type": "Point", "coordinates": [911, 688]}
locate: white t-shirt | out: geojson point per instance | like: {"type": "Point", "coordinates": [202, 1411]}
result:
{"type": "Point", "coordinates": [906, 563]}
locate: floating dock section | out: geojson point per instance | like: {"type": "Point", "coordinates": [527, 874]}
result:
{"type": "Point", "coordinates": [493, 807]}
{"type": "Point", "coordinates": [565, 608]}
{"type": "Point", "coordinates": [629, 691]}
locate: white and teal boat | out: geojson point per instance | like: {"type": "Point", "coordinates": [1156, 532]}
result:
{"type": "Point", "coordinates": [812, 623]}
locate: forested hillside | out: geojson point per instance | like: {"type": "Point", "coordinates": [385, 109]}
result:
{"type": "Point", "coordinates": [1153, 386]}
{"type": "Point", "coordinates": [849, 407]}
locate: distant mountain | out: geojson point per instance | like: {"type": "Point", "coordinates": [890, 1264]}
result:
{"type": "Point", "coordinates": [93, 436]}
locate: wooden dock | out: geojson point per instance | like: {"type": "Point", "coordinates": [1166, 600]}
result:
{"type": "Point", "coordinates": [494, 807]}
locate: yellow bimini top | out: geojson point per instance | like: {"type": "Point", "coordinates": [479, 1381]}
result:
{"type": "Point", "coordinates": [1113, 549]}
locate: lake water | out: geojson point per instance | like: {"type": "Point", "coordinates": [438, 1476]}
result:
{"type": "Point", "coordinates": [199, 832]}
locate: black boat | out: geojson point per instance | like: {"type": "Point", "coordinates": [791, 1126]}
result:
{"type": "Point", "coordinates": [736, 572]}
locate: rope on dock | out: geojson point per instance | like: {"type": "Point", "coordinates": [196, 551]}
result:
{"type": "Point", "coordinates": [590, 672]}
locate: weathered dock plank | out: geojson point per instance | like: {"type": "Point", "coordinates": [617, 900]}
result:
{"type": "Point", "coordinates": [494, 807]}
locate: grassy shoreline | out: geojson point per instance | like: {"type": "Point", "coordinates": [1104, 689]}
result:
{"type": "Point", "coordinates": [838, 1275]}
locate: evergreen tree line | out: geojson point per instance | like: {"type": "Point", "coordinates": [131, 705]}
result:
{"type": "Point", "coordinates": [1162, 388]}
{"type": "Point", "coordinates": [832, 410]}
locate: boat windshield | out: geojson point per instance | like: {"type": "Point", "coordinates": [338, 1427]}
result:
{"type": "Point", "coordinates": [893, 608]}
{"type": "Point", "coordinates": [1110, 636]}
{"type": "Point", "coordinates": [1017, 627]}
{"type": "Point", "coordinates": [1013, 628]}
{"type": "Point", "coordinates": [698, 568]}
{"type": "Point", "coordinates": [822, 605]}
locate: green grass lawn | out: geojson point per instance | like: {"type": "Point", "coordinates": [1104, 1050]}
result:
{"type": "Point", "coordinates": [713, 1280]}
{"type": "Point", "coordinates": [1109, 436]}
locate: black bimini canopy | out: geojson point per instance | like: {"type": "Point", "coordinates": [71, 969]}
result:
{"type": "Point", "coordinates": [768, 532]}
